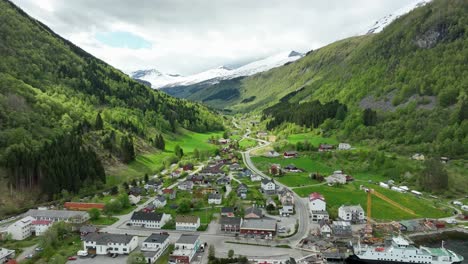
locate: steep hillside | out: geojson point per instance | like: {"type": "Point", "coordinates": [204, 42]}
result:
{"type": "Point", "coordinates": [64, 113]}
{"type": "Point", "coordinates": [413, 77]}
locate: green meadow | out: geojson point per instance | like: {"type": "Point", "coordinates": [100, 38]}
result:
{"type": "Point", "coordinates": [314, 139]}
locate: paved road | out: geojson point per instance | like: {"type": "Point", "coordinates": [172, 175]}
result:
{"type": "Point", "coordinates": [301, 206]}
{"type": "Point", "coordinates": [26, 251]}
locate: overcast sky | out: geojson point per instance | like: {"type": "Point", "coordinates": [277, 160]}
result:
{"type": "Point", "coordinates": [189, 36]}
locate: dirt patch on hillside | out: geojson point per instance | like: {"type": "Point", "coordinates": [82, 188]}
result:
{"type": "Point", "coordinates": [385, 103]}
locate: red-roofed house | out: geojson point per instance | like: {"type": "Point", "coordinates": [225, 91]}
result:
{"type": "Point", "coordinates": [318, 207]}
{"type": "Point", "coordinates": [83, 206]}
{"type": "Point", "coordinates": [40, 226]}
{"type": "Point", "coordinates": [170, 193]}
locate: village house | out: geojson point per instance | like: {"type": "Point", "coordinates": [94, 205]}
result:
{"type": "Point", "coordinates": [21, 229]}
{"type": "Point", "coordinates": [246, 173]}
{"type": "Point", "coordinates": [341, 229]}
{"type": "Point", "coordinates": [444, 160]}
{"type": "Point", "coordinates": [268, 186]}
{"type": "Point", "coordinates": [176, 174]}
{"type": "Point", "coordinates": [187, 222]}
{"type": "Point", "coordinates": [286, 209]}
{"type": "Point", "coordinates": [223, 180]}
{"type": "Point", "coordinates": [41, 226]}
{"type": "Point", "coordinates": [230, 224]}
{"type": "Point", "coordinates": [262, 134]}
{"type": "Point", "coordinates": [196, 178]}
{"type": "Point", "coordinates": [325, 147]}
{"type": "Point", "coordinates": [213, 170]}
{"type": "Point", "coordinates": [134, 199]}
{"type": "Point", "coordinates": [185, 249]}
{"type": "Point", "coordinates": [187, 167]}
{"type": "Point", "coordinates": [105, 243]}
{"type": "Point", "coordinates": [82, 206]}
{"type": "Point", "coordinates": [351, 213]}
{"type": "Point", "coordinates": [272, 154]}
{"type": "Point", "coordinates": [214, 198]}
{"type": "Point", "coordinates": [135, 190]}
{"type": "Point", "coordinates": [270, 201]}
{"type": "Point", "coordinates": [253, 213]}
{"type": "Point", "coordinates": [235, 167]}
{"type": "Point", "coordinates": [154, 246]}
{"type": "Point", "coordinates": [318, 207]}
{"type": "Point", "coordinates": [292, 168]}
{"type": "Point", "coordinates": [255, 177]}
{"type": "Point", "coordinates": [227, 211]}
{"type": "Point", "coordinates": [325, 228]}
{"type": "Point", "coordinates": [286, 196]}
{"type": "Point", "coordinates": [6, 254]}
{"type": "Point", "coordinates": [149, 208]}
{"type": "Point", "coordinates": [418, 156]}
{"type": "Point", "coordinates": [275, 169]}
{"type": "Point", "coordinates": [86, 229]}
{"type": "Point", "coordinates": [153, 184]}
{"type": "Point", "coordinates": [259, 227]}
{"type": "Point", "coordinates": [344, 146]}
{"type": "Point", "coordinates": [170, 193]}
{"type": "Point", "coordinates": [185, 186]}
{"type": "Point", "coordinates": [223, 141]}
{"type": "Point", "coordinates": [73, 217]}
{"type": "Point", "coordinates": [338, 177]}
{"type": "Point", "coordinates": [242, 191]}
{"type": "Point", "coordinates": [290, 154]}
{"type": "Point", "coordinates": [160, 201]}
{"type": "Point", "coordinates": [149, 220]}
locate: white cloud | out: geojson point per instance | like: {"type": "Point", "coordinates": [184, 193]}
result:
{"type": "Point", "coordinates": [191, 36]}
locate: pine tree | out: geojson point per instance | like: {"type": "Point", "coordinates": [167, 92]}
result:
{"type": "Point", "coordinates": [98, 124]}
{"type": "Point", "coordinates": [179, 152]}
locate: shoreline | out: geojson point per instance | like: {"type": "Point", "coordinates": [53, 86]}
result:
{"type": "Point", "coordinates": [455, 230]}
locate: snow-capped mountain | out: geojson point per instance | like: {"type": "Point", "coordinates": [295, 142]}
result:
{"type": "Point", "coordinates": [162, 80]}
{"type": "Point", "coordinates": [380, 24]}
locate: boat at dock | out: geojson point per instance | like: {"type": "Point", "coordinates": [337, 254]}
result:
{"type": "Point", "coordinates": [401, 250]}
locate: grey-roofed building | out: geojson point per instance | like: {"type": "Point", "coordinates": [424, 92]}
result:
{"type": "Point", "coordinates": [230, 224]}
{"type": "Point", "coordinates": [227, 211]}
{"type": "Point", "coordinates": [86, 229]}
{"type": "Point", "coordinates": [253, 212]}
{"type": "Point", "coordinates": [342, 229]}
{"type": "Point", "coordinates": [6, 254]}
{"type": "Point", "coordinates": [214, 198]}
{"type": "Point", "coordinates": [149, 220]}
{"type": "Point", "coordinates": [104, 243]}
{"type": "Point", "coordinates": [187, 222]}
{"type": "Point", "coordinates": [185, 248]}
{"type": "Point", "coordinates": [160, 201]}
{"type": "Point", "coordinates": [74, 217]}
{"type": "Point", "coordinates": [263, 226]}
{"type": "Point", "coordinates": [352, 213]}
{"type": "Point", "coordinates": [154, 246]}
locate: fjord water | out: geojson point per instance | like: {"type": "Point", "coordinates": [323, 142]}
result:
{"type": "Point", "coordinates": [455, 241]}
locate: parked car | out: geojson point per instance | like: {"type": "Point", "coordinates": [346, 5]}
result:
{"type": "Point", "coordinates": [29, 256]}
{"type": "Point", "coordinates": [38, 249]}
{"type": "Point", "coordinates": [72, 258]}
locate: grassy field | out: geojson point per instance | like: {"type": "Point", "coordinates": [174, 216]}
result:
{"type": "Point", "coordinates": [312, 138]}
{"type": "Point", "coordinates": [247, 143]}
{"type": "Point", "coordinates": [381, 210]}
{"type": "Point", "coordinates": [104, 220]}
{"type": "Point", "coordinates": [189, 141]}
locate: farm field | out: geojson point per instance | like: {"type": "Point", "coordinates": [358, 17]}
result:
{"type": "Point", "coordinates": [381, 210]}
{"type": "Point", "coordinates": [189, 141]}
{"type": "Point", "coordinates": [247, 143]}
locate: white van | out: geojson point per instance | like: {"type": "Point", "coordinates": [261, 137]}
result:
{"type": "Point", "coordinates": [82, 253]}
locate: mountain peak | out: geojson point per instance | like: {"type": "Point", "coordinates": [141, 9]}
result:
{"type": "Point", "coordinates": [294, 54]}
{"type": "Point", "coordinates": [222, 67]}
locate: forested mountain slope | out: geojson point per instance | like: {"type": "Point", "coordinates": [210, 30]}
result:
{"type": "Point", "coordinates": [413, 77]}
{"type": "Point", "coordinates": [64, 113]}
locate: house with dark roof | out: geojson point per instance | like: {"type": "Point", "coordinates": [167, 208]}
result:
{"type": "Point", "coordinates": [149, 220]}
{"type": "Point", "coordinates": [160, 201]}
{"type": "Point", "coordinates": [325, 147]}
{"type": "Point", "coordinates": [242, 190]}
{"type": "Point", "coordinates": [187, 222]}
{"type": "Point", "coordinates": [223, 180]}
{"type": "Point", "coordinates": [185, 185]}
{"type": "Point", "coordinates": [325, 228]}
{"type": "Point", "coordinates": [154, 246]}
{"type": "Point", "coordinates": [227, 211]}
{"type": "Point", "coordinates": [230, 224]}
{"type": "Point", "coordinates": [290, 154]}
{"type": "Point", "coordinates": [263, 226]}
{"type": "Point", "coordinates": [149, 208]}
{"type": "Point", "coordinates": [214, 198]}
{"type": "Point", "coordinates": [196, 178]}
{"type": "Point", "coordinates": [86, 229]}
{"type": "Point", "coordinates": [253, 212]}
{"type": "Point", "coordinates": [341, 229]}
{"type": "Point", "coordinates": [105, 243]}
{"type": "Point", "coordinates": [268, 186]}
{"type": "Point", "coordinates": [213, 170]}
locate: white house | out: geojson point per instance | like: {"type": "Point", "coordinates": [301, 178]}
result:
{"type": "Point", "coordinates": [160, 201]}
{"type": "Point", "coordinates": [214, 198]}
{"type": "Point", "coordinates": [134, 199]}
{"type": "Point", "coordinates": [255, 177]}
{"type": "Point", "coordinates": [154, 246]}
{"type": "Point", "coordinates": [384, 185]}
{"type": "Point", "coordinates": [325, 228]}
{"type": "Point", "coordinates": [185, 248]}
{"type": "Point", "coordinates": [344, 146]}
{"type": "Point", "coordinates": [6, 254]}
{"type": "Point", "coordinates": [149, 220]}
{"type": "Point", "coordinates": [464, 207]}
{"type": "Point", "coordinates": [22, 228]}
{"type": "Point", "coordinates": [105, 243]}
{"type": "Point", "coordinates": [40, 226]}
{"type": "Point", "coordinates": [68, 216]}
{"type": "Point", "coordinates": [418, 156]}
{"type": "Point", "coordinates": [268, 186]}
{"type": "Point", "coordinates": [318, 207]}
{"type": "Point", "coordinates": [351, 213]}
{"type": "Point", "coordinates": [187, 222]}
{"type": "Point", "coordinates": [185, 185]}
{"type": "Point", "coordinates": [337, 177]}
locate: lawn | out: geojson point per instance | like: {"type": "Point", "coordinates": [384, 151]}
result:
{"type": "Point", "coordinates": [104, 221]}
{"type": "Point", "coordinates": [381, 210]}
{"type": "Point", "coordinates": [247, 143]}
{"type": "Point", "coordinates": [315, 140]}
{"type": "Point", "coordinates": [189, 141]}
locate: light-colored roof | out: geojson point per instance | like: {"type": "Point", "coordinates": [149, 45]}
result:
{"type": "Point", "coordinates": [106, 238]}
{"type": "Point", "coordinates": [187, 239]}
{"type": "Point", "coordinates": [351, 208]}
{"type": "Point", "coordinates": [186, 219]}
{"type": "Point", "coordinates": [266, 224]}
{"type": "Point", "coordinates": [64, 214]}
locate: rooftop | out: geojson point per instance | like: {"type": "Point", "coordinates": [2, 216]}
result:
{"type": "Point", "coordinates": [84, 205]}
{"type": "Point", "coordinates": [226, 210]}
{"type": "Point", "coordinates": [187, 239]}
{"type": "Point", "coordinates": [157, 238]}
{"type": "Point", "coordinates": [230, 220]}
{"type": "Point", "coordinates": [147, 216]}
{"type": "Point", "coordinates": [55, 213]}
{"type": "Point", "coordinates": [106, 238]}
{"type": "Point", "coordinates": [187, 219]}
{"type": "Point", "coordinates": [351, 208]}
{"type": "Point", "coordinates": [214, 196]}
{"type": "Point", "coordinates": [266, 224]}
{"type": "Point", "coordinates": [315, 196]}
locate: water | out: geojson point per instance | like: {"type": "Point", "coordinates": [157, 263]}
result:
{"type": "Point", "coordinates": [457, 242]}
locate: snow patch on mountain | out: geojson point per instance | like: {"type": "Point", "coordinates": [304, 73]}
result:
{"type": "Point", "coordinates": [380, 24]}
{"type": "Point", "coordinates": [160, 80]}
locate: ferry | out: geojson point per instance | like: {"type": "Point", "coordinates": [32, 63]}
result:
{"type": "Point", "coordinates": [400, 250]}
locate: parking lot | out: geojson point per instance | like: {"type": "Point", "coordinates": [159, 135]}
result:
{"type": "Point", "coordinates": [100, 260]}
